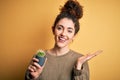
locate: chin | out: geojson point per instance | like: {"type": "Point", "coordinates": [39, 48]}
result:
{"type": "Point", "coordinates": [60, 45]}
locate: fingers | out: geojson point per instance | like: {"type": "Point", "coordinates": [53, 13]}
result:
{"type": "Point", "coordinates": [34, 66]}
{"type": "Point", "coordinates": [89, 56]}
{"type": "Point", "coordinates": [98, 52]}
{"type": "Point", "coordinates": [35, 60]}
{"type": "Point", "coordinates": [85, 58]}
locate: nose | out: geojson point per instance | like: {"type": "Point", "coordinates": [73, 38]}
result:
{"type": "Point", "coordinates": [63, 33]}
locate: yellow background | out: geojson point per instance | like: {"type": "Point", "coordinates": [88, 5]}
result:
{"type": "Point", "coordinates": [25, 27]}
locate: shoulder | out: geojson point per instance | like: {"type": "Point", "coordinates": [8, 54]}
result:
{"type": "Point", "coordinates": [76, 54]}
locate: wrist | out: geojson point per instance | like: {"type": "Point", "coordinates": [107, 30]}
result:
{"type": "Point", "coordinates": [77, 72]}
{"type": "Point", "coordinates": [79, 66]}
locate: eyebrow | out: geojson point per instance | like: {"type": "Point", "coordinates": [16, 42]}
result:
{"type": "Point", "coordinates": [61, 25]}
{"type": "Point", "coordinates": [68, 27]}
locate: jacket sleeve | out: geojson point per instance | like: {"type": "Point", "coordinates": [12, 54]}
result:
{"type": "Point", "coordinates": [29, 77]}
{"type": "Point", "coordinates": [82, 74]}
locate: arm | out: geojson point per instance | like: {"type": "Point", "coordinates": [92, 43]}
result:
{"type": "Point", "coordinates": [28, 76]}
{"type": "Point", "coordinates": [82, 74]}
{"type": "Point", "coordinates": [34, 70]}
{"type": "Point", "coordinates": [81, 70]}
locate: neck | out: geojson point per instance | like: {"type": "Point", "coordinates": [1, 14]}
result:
{"type": "Point", "coordinates": [57, 51]}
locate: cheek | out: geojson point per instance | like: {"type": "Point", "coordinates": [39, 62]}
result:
{"type": "Point", "coordinates": [56, 32]}
{"type": "Point", "coordinates": [56, 35]}
{"type": "Point", "coordinates": [71, 38]}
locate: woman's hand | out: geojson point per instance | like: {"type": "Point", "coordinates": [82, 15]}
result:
{"type": "Point", "coordinates": [85, 58]}
{"type": "Point", "coordinates": [35, 69]}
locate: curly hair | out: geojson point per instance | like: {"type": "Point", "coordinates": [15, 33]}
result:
{"type": "Point", "coordinates": [71, 10]}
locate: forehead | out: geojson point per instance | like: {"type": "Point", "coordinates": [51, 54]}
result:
{"type": "Point", "coordinates": [66, 22]}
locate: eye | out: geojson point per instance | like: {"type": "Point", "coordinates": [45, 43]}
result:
{"type": "Point", "coordinates": [70, 31]}
{"type": "Point", "coordinates": [59, 27]}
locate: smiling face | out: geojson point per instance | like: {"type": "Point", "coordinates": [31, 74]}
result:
{"type": "Point", "coordinates": [64, 32]}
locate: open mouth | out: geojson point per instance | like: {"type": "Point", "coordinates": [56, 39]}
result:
{"type": "Point", "coordinates": [62, 39]}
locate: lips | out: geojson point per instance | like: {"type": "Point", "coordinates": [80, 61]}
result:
{"type": "Point", "coordinates": [62, 39]}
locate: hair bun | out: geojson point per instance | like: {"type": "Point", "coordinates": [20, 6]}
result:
{"type": "Point", "coordinates": [73, 8]}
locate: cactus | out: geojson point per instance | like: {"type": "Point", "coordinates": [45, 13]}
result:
{"type": "Point", "coordinates": [40, 53]}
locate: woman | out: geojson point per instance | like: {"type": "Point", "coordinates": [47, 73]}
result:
{"type": "Point", "coordinates": [63, 63]}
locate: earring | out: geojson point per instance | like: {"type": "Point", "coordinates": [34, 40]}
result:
{"type": "Point", "coordinates": [72, 40]}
